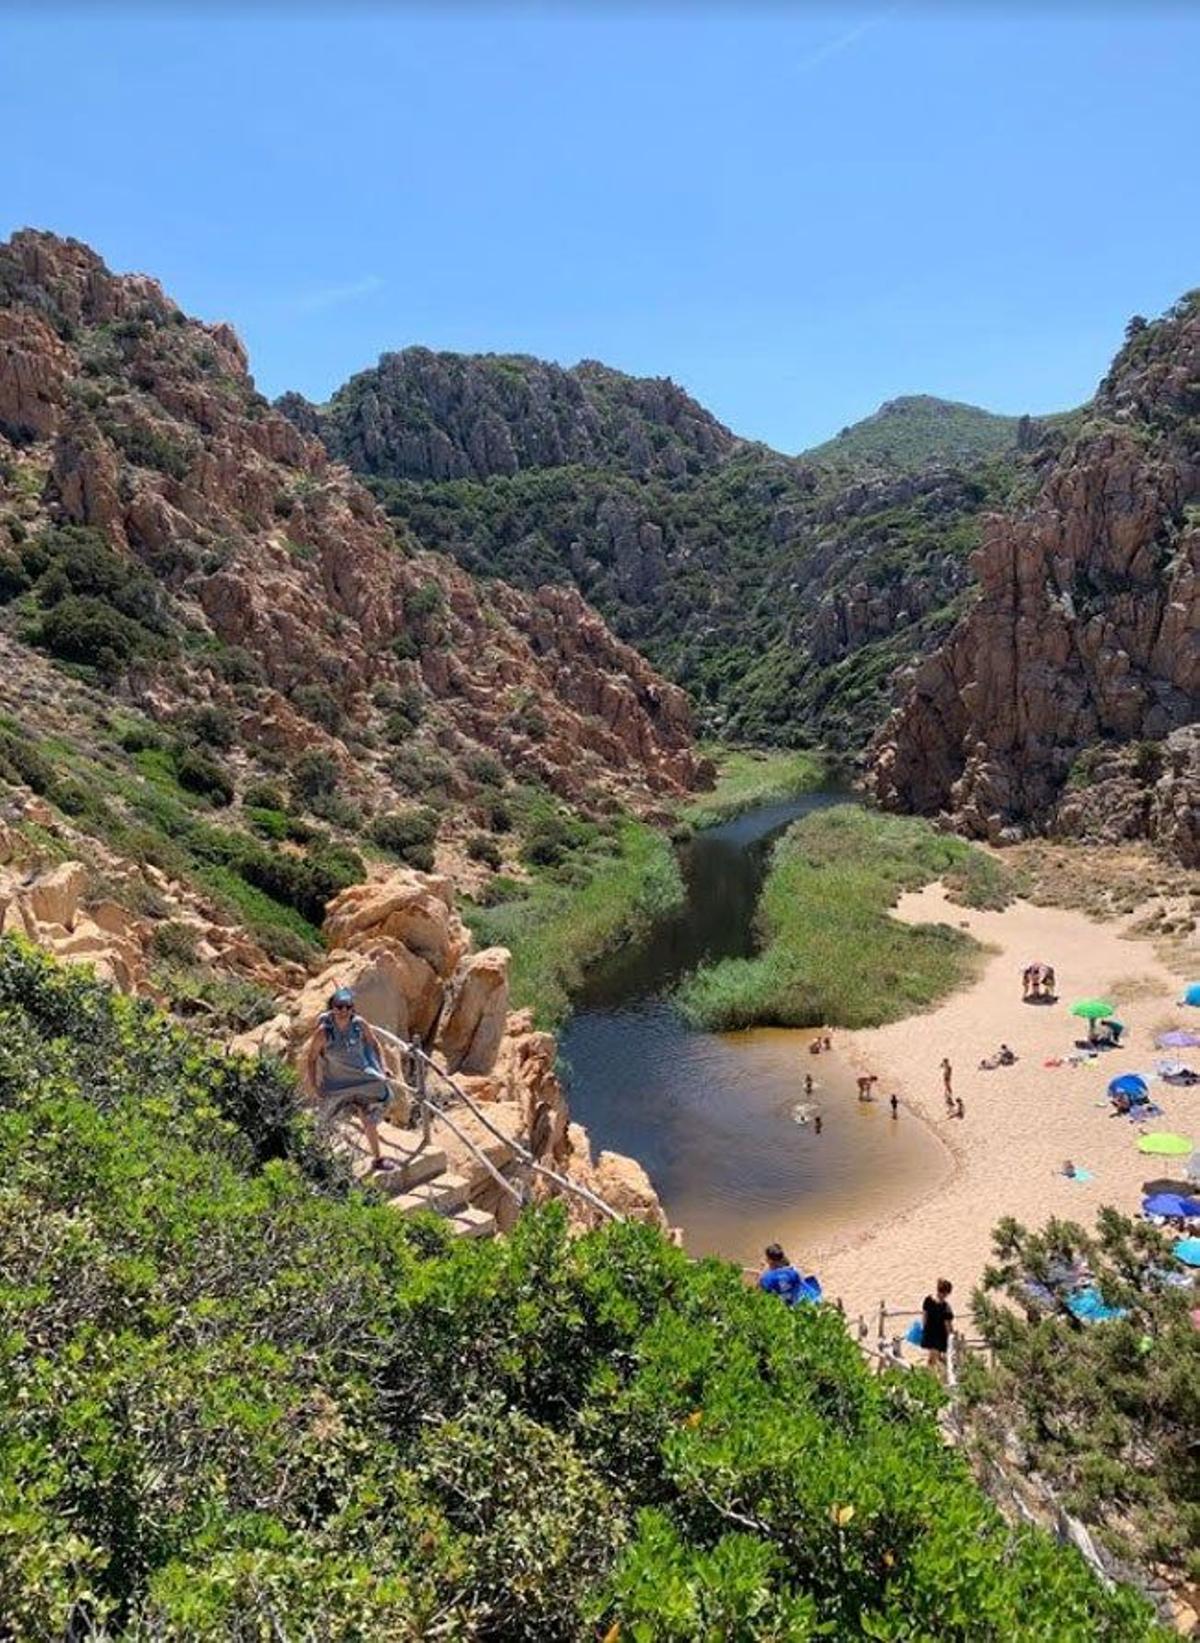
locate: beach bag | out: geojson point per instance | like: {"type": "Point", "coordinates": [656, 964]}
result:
{"type": "Point", "coordinates": [916, 1330]}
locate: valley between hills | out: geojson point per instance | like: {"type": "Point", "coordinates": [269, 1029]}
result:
{"type": "Point", "coordinates": [423, 691]}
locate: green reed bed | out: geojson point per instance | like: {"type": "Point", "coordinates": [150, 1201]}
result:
{"type": "Point", "coordinates": [555, 930]}
{"type": "Point", "coordinates": [831, 952]}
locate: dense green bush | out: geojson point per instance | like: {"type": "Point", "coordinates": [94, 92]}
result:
{"type": "Point", "coordinates": [238, 1400]}
{"type": "Point", "coordinates": [320, 705]}
{"type": "Point", "coordinates": [482, 847]}
{"type": "Point", "coordinates": [408, 834]}
{"type": "Point", "coordinates": [200, 773]}
{"type": "Point", "coordinates": [1111, 1412]}
{"type": "Point", "coordinates": [313, 774]}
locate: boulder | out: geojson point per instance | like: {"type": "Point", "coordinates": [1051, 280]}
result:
{"type": "Point", "coordinates": [474, 1023]}
{"type": "Point", "coordinates": [53, 897]}
{"type": "Point", "coordinates": [409, 907]}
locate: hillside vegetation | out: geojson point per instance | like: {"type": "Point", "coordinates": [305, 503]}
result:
{"type": "Point", "coordinates": [238, 1399]}
{"type": "Point", "coordinates": [782, 592]}
{"type": "Point", "coordinates": [917, 429]}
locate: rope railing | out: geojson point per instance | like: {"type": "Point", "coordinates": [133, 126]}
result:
{"type": "Point", "coordinates": [432, 1109]}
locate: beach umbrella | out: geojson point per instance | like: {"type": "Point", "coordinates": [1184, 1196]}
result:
{"type": "Point", "coordinates": [1131, 1084]}
{"type": "Point", "coordinates": [1165, 1144]}
{"type": "Point", "coordinates": [1191, 994]}
{"type": "Point", "coordinates": [1170, 1203]}
{"type": "Point", "coordinates": [1187, 1250]}
{"type": "Point", "coordinates": [1178, 1039]}
{"type": "Point", "coordinates": [1092, 1009]}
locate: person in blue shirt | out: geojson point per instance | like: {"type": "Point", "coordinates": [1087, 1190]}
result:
{"type": "Point", "coordinates": [780, 1277]}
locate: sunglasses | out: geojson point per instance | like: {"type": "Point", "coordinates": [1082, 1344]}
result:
{"type": "Point", "coordinates": [343, 1007]}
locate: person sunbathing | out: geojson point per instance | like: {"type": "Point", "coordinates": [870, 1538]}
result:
{"type": "Point", "coordinates": [1004, 1057]}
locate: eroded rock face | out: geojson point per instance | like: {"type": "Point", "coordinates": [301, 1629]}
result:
{"type": "Point", "coordinates": [143, 426]}
{"type": "Point", "coordinates": [477, 1011]}
{"type": "Point", "coordinates": [1087, 627]}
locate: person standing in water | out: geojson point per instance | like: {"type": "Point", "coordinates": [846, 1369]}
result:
{"type": "Point", "coordinates": [894, 1102]}
{"type": "Point", "coordinates": [342, 1070]}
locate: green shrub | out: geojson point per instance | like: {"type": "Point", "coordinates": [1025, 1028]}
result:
{"type": "Point", "coordinates": [264, 796]}
{"type": "Point", "coordinates": [482, 847]}
{"type": "Point", "coordinates": [271, 824]}
{"type": "Point", "coordinates": [239, 1399]}
{"type": "Point", "coordinates": [320, 705]}
{"type": "Point", "coordinates": [88, 630]}
{"type": "Point", "coordinates": [421, 771]}
{"type": "Point", "coordinates": [423, 602]}
{"type": "Point", "coordinates": [214, 726]}
{"type": "Point", "coordinates": [408, 835]}
{"type": "Point", "coordinates": [314, 773]}
{"type": "Point", "coordinates": [484, 768]}
{"type": "Point", "coordinates": [200, 773]}
{"type": "Point", "coordinates": [174, 942]}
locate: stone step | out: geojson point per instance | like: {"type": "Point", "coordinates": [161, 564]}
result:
{"type": "Point", "coordinates": [445, 1194]}
{"type": "Point", "coordinates": [417, 1162]}
{"type": "Point", "coordinates": [472, 1223]}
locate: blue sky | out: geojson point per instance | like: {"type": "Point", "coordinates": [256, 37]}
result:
{"type": "Point", "coordinates": [796, 212]}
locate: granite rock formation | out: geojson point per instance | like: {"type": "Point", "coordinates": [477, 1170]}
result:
{"type": "Point", "coordinates": [121, 417]}
{"type": "Point", "coordinates": [1085, 635]}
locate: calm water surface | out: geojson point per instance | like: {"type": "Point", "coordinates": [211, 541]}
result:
{"type": "Point", "coordinates": [711, 1116]}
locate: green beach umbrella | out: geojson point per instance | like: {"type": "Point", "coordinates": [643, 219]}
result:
{"type": "Point", "coordinates": [1173, 1146]}
{"type": "Point", "coordinates": [1092, 1009]}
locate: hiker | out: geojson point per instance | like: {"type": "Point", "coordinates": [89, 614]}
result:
{"type": "Point", "coordinates": [947, 1076]}
{"type": "Point", "coordinates": [779, 1277]}
{"type": "Point", "coordinates": [937, 1325]}
{"type": "Point", "coordinates": [894, 1103]}
{"type": "Point", "coordinates": [342, 1070]}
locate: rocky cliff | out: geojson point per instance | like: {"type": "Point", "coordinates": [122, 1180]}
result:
{"type": "Point", "coordinates": [737, 570]}
{"type": "Point", "coordinates": [425, 415]}
{"type": "Point", "coordinates": [1085, 635]}
{"type": "Point", "coordinates": [160, 521]}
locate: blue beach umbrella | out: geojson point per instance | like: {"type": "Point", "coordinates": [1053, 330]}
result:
{"type": "Point", "coordinates": [1170, 1203]}
{"type": "Point", "coordinates": [1187, 1250]}
{"type": "Point", "coordinates": [1191, 994]}
{"type": "Point", "coordinates": [1131, 1084]}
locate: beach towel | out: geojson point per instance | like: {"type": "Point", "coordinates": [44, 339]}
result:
{"type": "Point", "coordinates": [1087, 1306]}
{"type": "Point", "coordinates": [1080, 1175]}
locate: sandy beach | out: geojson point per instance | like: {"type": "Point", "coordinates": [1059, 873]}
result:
{"type": "Point", "coordinates": [1022, 1121]}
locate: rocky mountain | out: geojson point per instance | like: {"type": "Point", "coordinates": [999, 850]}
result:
{"type": "Point", "coordinates": [917, 429]}
{"type": "Point", "coordinates": [783, 593]}
{"type": "Point", "coordinates": [1067, 696]}
{"type": "Point", "coordinates": [223, 661]}
{"type": "Point", "coordinates": [425, 415]}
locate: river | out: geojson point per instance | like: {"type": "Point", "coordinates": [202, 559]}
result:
{"type": "Point", "coordinates": [711, 1116]}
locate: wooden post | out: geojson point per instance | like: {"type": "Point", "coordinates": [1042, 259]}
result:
{"type": "Point", "coordinates": [419, 1085]}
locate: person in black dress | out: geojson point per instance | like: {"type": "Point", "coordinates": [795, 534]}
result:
{"type": "Point", "coordinates": [937, 1322]}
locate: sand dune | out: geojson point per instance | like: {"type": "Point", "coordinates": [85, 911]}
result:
{"type": "Point", "coordinates": [1022, 1121]}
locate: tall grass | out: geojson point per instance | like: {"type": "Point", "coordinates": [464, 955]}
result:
{"type": "Point", "coordinates": [556, 931]}
{"type": "Point", "coordinates": [751, 776]}
{"type": "Point", "coordinates": [831, 952]}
